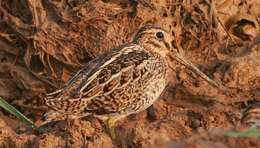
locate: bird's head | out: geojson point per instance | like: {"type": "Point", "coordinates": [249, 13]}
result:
{"type": "Point", "coordinates": [155, 39]}
{"type": "Point", "coordinates": [159, 41]}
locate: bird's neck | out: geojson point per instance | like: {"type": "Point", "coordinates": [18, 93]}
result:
{"type": "Point", "coordinates": [151, 46]}
{"type": "Point", "coordinates": [159, 57]}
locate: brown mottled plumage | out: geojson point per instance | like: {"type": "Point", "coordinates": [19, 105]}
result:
{"type": "Point", "coordinates": [124, 81]}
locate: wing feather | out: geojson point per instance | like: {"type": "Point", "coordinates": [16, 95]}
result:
{"type": "Point", "coordinates": [100, 78]}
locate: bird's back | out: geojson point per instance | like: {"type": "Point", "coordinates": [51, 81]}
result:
{"type": "Point", "coordinates": [124, 81]}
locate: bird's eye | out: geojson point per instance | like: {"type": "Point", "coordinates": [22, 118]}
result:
{"type": "Point", "coordinates": [159, 35]}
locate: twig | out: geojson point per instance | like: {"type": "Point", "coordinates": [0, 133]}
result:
{"type": "Point", "coordinates": [229, 35]}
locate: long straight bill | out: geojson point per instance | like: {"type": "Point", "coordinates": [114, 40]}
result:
{"type": "Point", "coordinates": [193, 68]}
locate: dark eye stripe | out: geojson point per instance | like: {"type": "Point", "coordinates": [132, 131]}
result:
{"type": "Point", "coordinates": [139, 35]}
{"type": "Point", "coordinates": [154, 44]}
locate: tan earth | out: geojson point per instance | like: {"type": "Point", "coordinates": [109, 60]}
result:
{"type": "Point", "coordinates": [43, 43]}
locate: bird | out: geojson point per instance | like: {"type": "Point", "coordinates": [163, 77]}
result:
{"type": "Point", "coordinates": [124, 81]}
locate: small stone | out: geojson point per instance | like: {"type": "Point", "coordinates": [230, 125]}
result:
{"type": "Point", "coordinates": [195, 123]}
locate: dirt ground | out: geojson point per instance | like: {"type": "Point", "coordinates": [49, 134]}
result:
{"type": "Point", "coordinates": [43, 43]}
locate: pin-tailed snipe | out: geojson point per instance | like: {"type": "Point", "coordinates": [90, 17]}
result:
{"type": "Point", "coordinates": [124, 81]}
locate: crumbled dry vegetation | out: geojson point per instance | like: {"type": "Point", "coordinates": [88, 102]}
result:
{"type": "Point", "coordinates": [43, 43]}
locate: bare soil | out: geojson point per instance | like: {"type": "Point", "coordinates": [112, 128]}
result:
{"type": "Point", "coordinates": [43, 43]}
